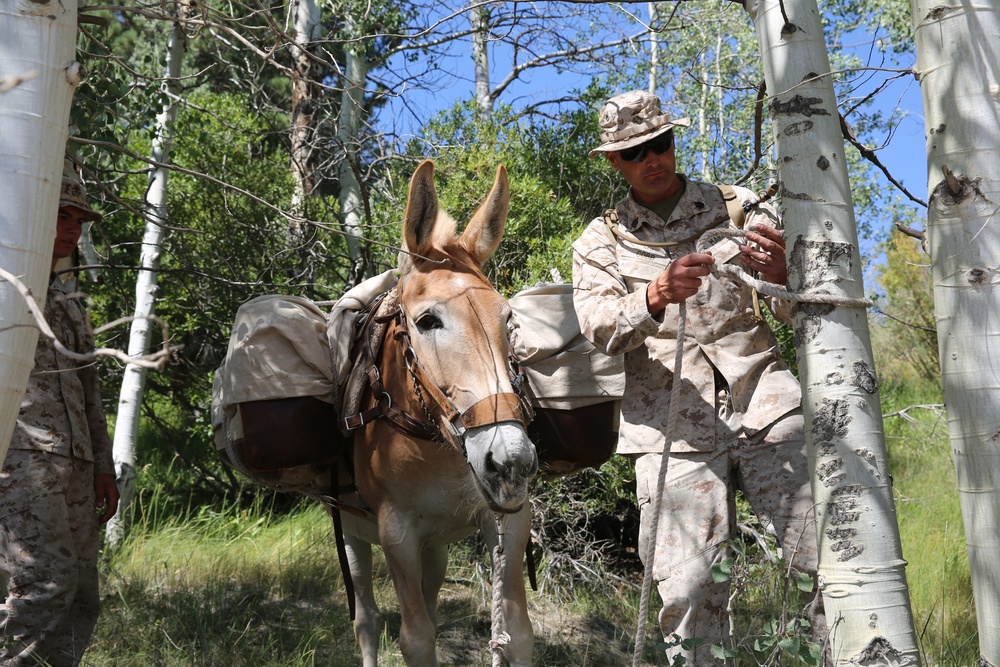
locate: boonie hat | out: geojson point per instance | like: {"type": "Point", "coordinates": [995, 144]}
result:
{"type": "Point", "coordinates": [73, 193]}
{"type": "Point", "coordinates": [631, 119]}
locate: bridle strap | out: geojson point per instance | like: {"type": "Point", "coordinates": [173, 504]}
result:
{"type": "Point", "coordinates": [494, 409]}
{"type": "Point", "coordinates": [505, 407]}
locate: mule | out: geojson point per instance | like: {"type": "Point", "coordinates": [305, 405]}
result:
{"type": "Point", "coordinates": [448, 454]}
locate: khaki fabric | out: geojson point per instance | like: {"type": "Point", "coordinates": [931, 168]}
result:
{"type": "Point", "coordinates": [563, 368]}
{"type": "Point", "coordinates": [721, 333]}
{"type": "Point", "coordinates": [48, 558]}
{"type": "Point", "coordinates": [698, 520]}
{"type": "Point", "coordinates": [286, 346]}
{"type": "Point", "coordinates": [277, 349]}
{"type": "Point", "coordinates": [340, 324]}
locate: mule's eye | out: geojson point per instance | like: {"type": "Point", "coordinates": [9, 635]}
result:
{"type": "Point", "coordinates": [428, 322]}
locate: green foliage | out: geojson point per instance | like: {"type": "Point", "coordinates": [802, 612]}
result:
{"type": "Point", "coordinates": [541, 224]}
{"type": "Point", "coordinates": [904, 330]}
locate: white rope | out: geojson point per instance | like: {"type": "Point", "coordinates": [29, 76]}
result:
{"type": "Point", "coordinates": [500, 637]}
{"type": "Point", "coordinates": [763, 287]}
{"type": "Point", "coordinates": [647, 576]}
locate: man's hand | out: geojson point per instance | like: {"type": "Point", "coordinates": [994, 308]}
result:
{"type": "Point", "coordinates": [106, 492]}
{"type": "Point", "coordinates": [765, 253]}
{"type": "Point", "coordinates": [678, 281]}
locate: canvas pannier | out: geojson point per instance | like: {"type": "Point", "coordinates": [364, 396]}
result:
{"type": "Point", "coordinates": [574, 389]}
{"type": "Point", "coordinates": [274, 398]}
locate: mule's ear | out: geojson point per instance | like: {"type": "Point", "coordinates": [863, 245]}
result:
{"type": "Point", "coordinates": [483, 233]}
{"type": "Point", "coordinates": [421, 209]}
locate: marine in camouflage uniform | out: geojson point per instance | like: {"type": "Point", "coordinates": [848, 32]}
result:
{"type": "Point", "coordinates": [739, 414]}
{"type": "Point", "coordinates": [57, 477]}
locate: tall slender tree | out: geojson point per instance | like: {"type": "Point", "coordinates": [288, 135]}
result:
{"type": "Point", "coordinates": [958, 65]}
{"type": "Point", "coordinates": [140, 335]}
{"type": "Point", "coordinates": [861, 567]}
{"type": "Point", "coordinates": [38, 73]}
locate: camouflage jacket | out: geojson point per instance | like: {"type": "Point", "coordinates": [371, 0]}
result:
{"type": "Point", "coordinates": [724, 343]}
{"type": "Point", "coordinates": [61, 411]}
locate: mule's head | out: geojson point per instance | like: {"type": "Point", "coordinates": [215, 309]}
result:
{"type": "Point", "coordinates": [457, 324]}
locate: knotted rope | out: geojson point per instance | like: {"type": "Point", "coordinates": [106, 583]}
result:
{"type": "Point", "coordinates": [500, 637]}
{"type": "Point", "coordinates": [764, 287]}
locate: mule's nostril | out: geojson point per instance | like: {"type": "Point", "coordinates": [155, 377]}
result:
{"type": "Point", "coordinates": [492, 465]}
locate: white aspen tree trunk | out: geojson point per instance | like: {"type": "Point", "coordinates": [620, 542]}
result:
{"type": "Point", "coordinates": [861, 568]}
{"type": "Point", "coordinates": [304, 15]}
{"type": "Point", "coordinates": [38, 74]}
{"type": "Point", "coordinates": [480, 19]}
{"type": "Point", "coordinates": [352, 205]}
{"type": "Point", "coordinates": [706, 173]}
{"type": "Point", "coordinates": [958, 66]}
{"type": "Point", "coordinates": [134, 380]}
{"type": "Point", "coordinates": [654, 48]}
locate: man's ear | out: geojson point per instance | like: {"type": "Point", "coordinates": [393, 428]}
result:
{"type": "Point", "coordinates": [612, 155]}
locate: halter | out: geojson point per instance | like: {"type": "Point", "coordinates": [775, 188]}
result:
{"type": "Point", "coordinates": [494, 409]}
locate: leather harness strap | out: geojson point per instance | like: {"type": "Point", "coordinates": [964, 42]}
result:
{"type": "Point", "coordinates": [501, 407]}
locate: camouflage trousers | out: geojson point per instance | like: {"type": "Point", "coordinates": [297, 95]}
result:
{"type": "Point", "coordinates": [49, 546]}
{"type": "Point", "coordinates": [698, 519]}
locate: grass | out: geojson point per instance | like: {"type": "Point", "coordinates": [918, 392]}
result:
{"type": "Point", "coordinates": [235, 586]}
{"type": "Point", "coordinates": [255, 587]}
{"type": "Point", "coordinates": [931, 529]}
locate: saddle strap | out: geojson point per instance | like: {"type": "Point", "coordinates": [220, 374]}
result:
{"type": "Point", "coordinates": [338, 533]}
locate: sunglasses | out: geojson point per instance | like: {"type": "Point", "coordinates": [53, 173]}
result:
{"type": "Point", "coordinates": [658, 145]}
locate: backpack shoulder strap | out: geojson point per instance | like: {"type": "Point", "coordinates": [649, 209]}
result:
{"type": "Point", "coordinates": [733, 205]}
{"type": "Point", "coordinates": [614, 234]}
{"type": "Point", "coordinates": [610, 222]}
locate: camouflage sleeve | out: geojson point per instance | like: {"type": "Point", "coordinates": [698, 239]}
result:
{"type": "Point", "coordinates": [97, 424]}
{"type": "Point", "coordinates": [612, 318]}
{"type": "Point", "coordinates": [765, 214]}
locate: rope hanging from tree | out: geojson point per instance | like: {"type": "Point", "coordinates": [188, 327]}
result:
{"type": "Point", "coordinates": [761, 286]}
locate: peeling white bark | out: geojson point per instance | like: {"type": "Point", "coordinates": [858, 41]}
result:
{"type": "Point", "coordinates": [349, 125]}
{"type": "Point", "coordinates": [958, 65]}
{"type": "Point", "coordinates": [38, 75]}
{"type": "Point", "coordinates": [862, 571]}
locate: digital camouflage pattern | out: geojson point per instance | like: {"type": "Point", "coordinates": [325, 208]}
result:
{"type": "Point", "coordinates": [696, 522]}
{"type": "Point", "coordinates": [49, 545]}
{"type": "Point", "coordinates": [739, 417]}
{"type": "Point", "coordinates": [61, 410]}
{"type": "Point", "coordinates": [722, 331]}
{"type": "Point", "coordinates": [48, 526]}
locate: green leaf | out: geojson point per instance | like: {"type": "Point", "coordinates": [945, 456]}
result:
{"type": "Point", "coordinates": [804, 582]}
{"type": "Point", "coordinates": [789, 644]}
{"type": "Point", "coordinates": [722, 571]}
{"type": "Point", "coordinates": [811, 653]}
{"type": "Point", "coordinates": [723, 653]}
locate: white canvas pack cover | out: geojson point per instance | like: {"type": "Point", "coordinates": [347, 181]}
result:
{"type": "Point", "coordinates": [564, 369]}
{"type": "Point", "coordinates": [277, 349]}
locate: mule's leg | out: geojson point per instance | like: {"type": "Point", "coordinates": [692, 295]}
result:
{"type": "Point", "coordinates": [417, 630]}
{"type": "Point", "coordinates": [520, 649]}
{"type": "Point", "coordinates": [367, 622]}
{"type": "Point", "coordinates": [434, 563]}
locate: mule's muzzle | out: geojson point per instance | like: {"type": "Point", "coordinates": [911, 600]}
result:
{"type": "Point", "coordinates": [504, 462]}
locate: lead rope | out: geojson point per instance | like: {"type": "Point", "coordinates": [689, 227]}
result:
{"type": "Point", "coordinates": [647, 575]}
{"type": "Point", "coordinates": [761, 286]}
{"type": "Point", "coordinates": [500, 637]}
